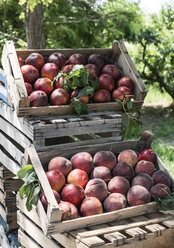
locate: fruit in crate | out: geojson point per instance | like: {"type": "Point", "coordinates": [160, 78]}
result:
{"type": "Point", "coordinates": [49, 70]}
{"type": "Point", "coordinates": [91, 206]}
{"type": "Point", "coordinates": [78, 176]}
{"type": "Point", "coordinates": [144, 180]}
{"type": "Point", "coordinates": [84, 99]}
{"type": "Point", "coordinates": [43, 84]}
{"type": "Point", "coordinates": [123, 169]}
{"type": "Point", "coordinates": [101, 96]}
{"type": "Point", "coordinates": [114, 201]}
{"type": "Point", "coordinates": [44, 199]}
{"type": "Point", "coordinates": [73, 193]}
{"type": "Point", "coordinates": [112, 70]}
{"type": "Point", "coordinates": [137, 195]}
{"type": "Point", "coordinates": [60, 164]}
{"type": "Point", "coordinates": [97, 60]}
{"type": "Point", "coordinates": [29, 88]}
{"type": "Point", "coordinates": [77, 58]}
{"type": "Point", "coordinates": [118, 184]}
{"type": "Point", "coordinates": [30, 73]}
{"type": "Point", "coordinates": [57, 58]}
{"type": "Point", "coordinates": [56, 179]}
{"type": "Point", "coordinates": [59, 97]}
{"type": "Point", "coordinates": [67, 68]}
{"type": "Point", "coordinates": [38, 98]}
{"type": "Point", "coordinates": [101, 172]}
{"type": "Point", "coordinates": [160, 176]}
{"type": "Point", "coordinates": [160, 190]}
{"type": "Point", "coordinates": [20, 61]}
{"type": "Point", "coordinates": [106, 82]}
{"type": "Point", "coordinates": [148, 155]}
{"type": "Point", "coordinates": [93, 70]}
{"type": "Point", "coordinates": [82, 161]}
{"type": "Point", "coordinates": [105, 158]}
{"type": "Point", "coordinates": [96, 188]}
{"type": "Point", "coordinates": [69, 211]}
{"type": "Point", "coordinates": [36, 60]}
{"type": "Point", "coordinates": [126, 81]}
{"type": "Point", "coordinates": [121, 93]}
{"type": "Point", "coordinates": [129, 156]}
{"type": "Point", "coordinates": [144, 166]}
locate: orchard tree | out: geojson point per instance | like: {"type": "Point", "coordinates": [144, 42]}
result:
{"type": "Point", "coordinates": [156, 47]}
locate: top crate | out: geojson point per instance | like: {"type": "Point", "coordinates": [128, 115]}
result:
{"type": "Point", "coordinates": [117, 54]}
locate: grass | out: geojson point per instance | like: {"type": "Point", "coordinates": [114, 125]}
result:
{"type": "Point", "coordinates": [160, 121]}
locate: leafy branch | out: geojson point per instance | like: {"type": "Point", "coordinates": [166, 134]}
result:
{"type": "Point", "coordinates": [31, 188]}
{"type": "Point", "coordinates": [79, 78]}
{"type": "Point", "coordinates": [166, 202]}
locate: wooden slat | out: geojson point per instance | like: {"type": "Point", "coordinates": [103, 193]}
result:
{"type": "Point", "coordinates": [137, 233]}
{"type": "Point", "coordinates": [9, 163]}
{"type": "Point", "coordinates": [157, 229]}
{"type": "Point", "coordinates": [10, 185]}
{"type": "Point", "coordinates": [116, 238]}
{"type": "Point", "coordinates": [26, 241]}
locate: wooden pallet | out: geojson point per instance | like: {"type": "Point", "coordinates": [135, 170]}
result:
{"type": "Point", "coordinates": [118, 54]}
{"type": "Point", "coordinates": [8, 190]}
{"type": "Point", "coordinates": [150, 230]}
{"type": "Point", "coordinates": [50, 132]}
{"type": "Point", "coordinates": [51, 220]}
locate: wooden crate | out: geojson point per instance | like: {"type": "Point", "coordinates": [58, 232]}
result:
{"type": "Point", "coordinates": [52, 132]}
{"type": "Point", "coordinates": [8, 190]}
{"type": "Point", "coordinates": [149, 230]}
{"type": "Point", "coordinates": [4, 93]}
{"type": "Point", "coordinates": [51, 221]}
{"type": "Point", "coordinates": [118, 54]}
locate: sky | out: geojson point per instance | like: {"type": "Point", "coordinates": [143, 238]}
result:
{"type": "Point", "coordinates": [151, 6]}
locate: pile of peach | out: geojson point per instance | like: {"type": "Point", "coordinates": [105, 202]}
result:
{"type": "Point", "coordinates": [86, 185]}
{"type": "Point", "coordinates": [38, 74]}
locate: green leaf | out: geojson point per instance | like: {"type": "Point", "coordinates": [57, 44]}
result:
{"type": "Point", "coordinates": [80, 107]}
{"type": "Point", "coordinates": [23, 172]}
{"type": "Point", "coordinates": [31, 178]}
{"type": "Point", "coordinates": [35, 196]}
{"type": "Point", "coordinates": [28, 202]}
{"type": "Point", "coordinates": [86, 91]}
{"type": "Point", "coordinates": [60, 74]}
{"type": "Point", "coordinates": [94, 83]}
{"type": "Point", "coordinates": [78, 68]}
{"type": "Point", "coordinates": [129, 105]}
{"type": "Point", "coordinates": [117, 100]}
{"type": "Point", "coordinates": [24, 190]}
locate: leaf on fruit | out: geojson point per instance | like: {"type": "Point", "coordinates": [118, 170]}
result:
{"type": "Point", "coordinates": [86, 91]}
{"type": "Point", "coordinates": [80, 107]}
{"type": "Point", "coordinates": [60, 74]}
{"type": "Point", "coordinates": [94, 83]}
{"type": "Point", "coordinates": [165, 203]}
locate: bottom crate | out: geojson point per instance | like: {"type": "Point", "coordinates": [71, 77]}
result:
{"type": "Point", "coordinates": [8, 188]}
{"type": "Point", "coordinates": [151, 230]}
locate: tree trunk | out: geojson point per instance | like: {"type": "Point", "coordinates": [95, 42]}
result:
{"type": "Point", "coordinates": [35, 28]}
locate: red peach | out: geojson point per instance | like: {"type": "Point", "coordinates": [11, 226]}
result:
{"type": "Point", "coordinates": [82, 161]}
{"type": "Point", "coordinates": [97, 188]}
{"type": "Point", "coordinates": [161, 176]}
{"type": "Point", "coordinates": [101, 172]}
{"type": "Point", "coordinates": [105, 158]}
{"type": "Point", "coordinates": [58, 83]}
{"type": "Point", "coordinates": [84, 99]}
{"type": "Point", "coordinates": [114, 201]}
{"type": "Point", "coordinates": [144, 166]}
{"type": "Point", "coordinates": [137, 195]}
{"type": "Point", "coordinates": [58, 58]}
{"type": "Point", "coordinates": [36, 60]}
{"type": "Point", "coordinates": [44, 84]}
{"type": "Point", "coordinates": [30, 73]}
{"type": "Point", "coordinates": [121, 93]}
{"type": "Point", "coordinates": [112, 70]}
{"type": "Point", "coordinates": [44, 199]}
{"type": "Point", "coordinates": [144, 180]}
{"type": "Point", "coordinates": [91, 206]}
{"type": "Point", "coordinates": [73, 193]}
{"type": "Point", "coordinates": [101, 96]}
{"type": "Point", "coordinates": [49, 70]}
{"type": "Point", "coordinates": [128, 156]}
{"type": "Point", "coordinates": [67, 68]}
{"type": "Point", "coordinates": [160, 190]}
{"type": "Point", "coordinates": [97, 60]}
{"type": "Point", "coordinates": [126, 81]}
{"type": "Point", "coordinates": [56, 179]}
{"type": "Point", "coordinates": [148, 155]}
{"type": "Point", "coordinates": [106, 82]}
{"type": "Point", "coordinates": [38, 98]}
{"type": "Point", "coordinates": [60, 164]}
{"type": "Point", "coordinates": [93, 70]}
{"type": "Point", "coordinates": [69, 211]}
{"type": "Point", "coordinates": [124, 170]}
{"type": "Point", "coordinates": [118, 184]}
{"type": "Point", "coordinates": [59, 97]}
{"type": "Point", "coordinates": [29, 88]}
{"type": "Point", "coordinates": [77, 58]}
{"type": "Point", "coordinates": [78, 176]}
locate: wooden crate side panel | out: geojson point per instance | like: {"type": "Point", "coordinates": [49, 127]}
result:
{"type": "Point", "coordinates": [4, 173]}
{"type": "Point", "coordinates": [9, 163]}
{"type": "Point", "coordinates": [10, 185]}
{"type": "Point", "coordinates": [4, 94]}
{"type": "Point", "coordinates": [130, 71]}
